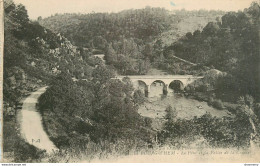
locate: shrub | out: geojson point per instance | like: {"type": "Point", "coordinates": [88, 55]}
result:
{"type": "Point", "coordinates": [211, 100]}
{"type": "Point", "coordinates": [139, 97]}
{"type": "Point", "coordinates": [171, 113]}
{"type": "Point", "coordinates": [27, 153]}
{"type": "Point", "coordinates": [218, 104]}
{"type": "Point", "coordinates": [224, 132]}
{"type": "Point", "coordinates": [257, 109]}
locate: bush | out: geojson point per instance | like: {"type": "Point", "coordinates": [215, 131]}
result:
{"type": "Point", "coordinates": [224, 132]}
{"type": "Point", "coordinates": [27, 153]}
{"type": "Point", "coordinates": [171, 113]}
{"type": "Point", "coordinates": [99, 111]}
{"type": "Point", "coordinates": [139, 97]}
{"type": "Point", "coordinates": [218, 104]}
{"type": "Point", "coordinates": [257, 109]}
{"type": "Point", "coordinates": [211, 100]}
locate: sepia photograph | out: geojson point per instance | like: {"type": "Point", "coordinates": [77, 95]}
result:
{"type": "Point", "coordinates": [130, 81]}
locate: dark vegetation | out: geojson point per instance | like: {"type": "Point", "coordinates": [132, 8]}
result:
{"type": "Point", "coordinates": [98, 29]}
{"type": "Point", "coordinates": [230, 45]}
{"type": "Point", "coordinates": [132, 40]}
{"type": "Point", "coordinates": [214, 132]}
{"type": "Point", "coordinates": [100, 112]}
{"type": "Point", "coordinates": [98, 116]}
{"type": "Point", "coordinates": [120, 36]}
{"type": "Point", "coordinates": [33, 55]}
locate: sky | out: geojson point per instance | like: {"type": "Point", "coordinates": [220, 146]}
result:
{"type": "Point", "coordinates": [46, 8]}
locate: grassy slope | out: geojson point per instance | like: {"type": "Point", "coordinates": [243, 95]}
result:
{"type": "Point", "coordinates": [187, 23]}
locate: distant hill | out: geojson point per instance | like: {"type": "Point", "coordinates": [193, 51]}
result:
{"type": "Point", "coordinates": [148, 23]}
{"type": "Point", "coordinates": [85, 29]}
{"type": "Point", "coordinates": [188, 21]}
{"type": "Point", "coordinates": [144, 24]}
{"type": "Point", "coordinates": [131, 39]}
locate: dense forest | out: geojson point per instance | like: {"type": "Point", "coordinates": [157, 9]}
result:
{"type": "Point", "coordinates": [33, 52]}
{"type": "Point", "coordinates": [101, 114]}
{"type": "Point", "coordinates": [97, 29]}
{"type": "Point", "coordinates": [132, 40]}
{"type": "Point", "coordinates": [98, 116]}
{"type": "Point", "coordinates": [231, 46]}
{"type": "Point", "coordinates": [33, 56]}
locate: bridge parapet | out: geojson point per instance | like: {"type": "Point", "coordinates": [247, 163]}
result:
{"type": "Point", "coordinates": [159, 76]}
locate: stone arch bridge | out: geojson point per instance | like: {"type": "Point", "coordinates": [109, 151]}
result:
{"type": "Point", "coordinates": [166, 81]}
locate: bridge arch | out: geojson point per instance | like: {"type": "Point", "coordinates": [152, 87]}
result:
{"type": "Point", "coordinates": [141, 85]}
{"type": "Point", "coordinates": [157, 88]}
{"type": "Point", "coordinates": [176, 86]}
{"type": "Point", "coordinates": [158, 81]}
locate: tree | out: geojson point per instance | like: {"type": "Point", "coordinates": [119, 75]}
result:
{"type": "Point", "coordinates": [143, 66]}
{"type": "Point", "coordinates": [110, 55]}
{"type": "Point", "coordinates": [249, 100]}
{"type": "Point", "coordinates": [257, 110]}
{"type": "Point", "coordinates": [101, 74]}
{"type": "Point", "coordinates": [39, 18]}
{"type": "Point", "coordinates": [9, 6]}
{"type": "Point", "coordinates": [20, 13]}
{"type": "Point", "coordinates": [99, 42]}
{"type": "Point", "coordinates": [139, 97]}
{"type": "Point", "coordinates": [158, 48]}
{"type": "Point", "coordinates": [189, 35]}
{"type": "Point", "coordinates": [148, 51]}
{"type": "Point", "coordinates": [171, 114]}
{"type": "Point", "coordinates": [211, 29]}
{"type": "Point", "coordinates": [246, 115]}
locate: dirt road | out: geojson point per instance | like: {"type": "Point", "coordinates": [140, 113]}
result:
{"type": "Point", "coordinates": [31, 123]}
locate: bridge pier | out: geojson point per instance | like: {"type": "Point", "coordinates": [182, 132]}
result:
{"type": "Point", "coordinates": [147, 90]}
{"type": "Point", "coordinates": [165, 89]}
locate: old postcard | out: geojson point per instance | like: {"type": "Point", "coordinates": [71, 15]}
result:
{"type": "Point", "coordinates": [130, 81]}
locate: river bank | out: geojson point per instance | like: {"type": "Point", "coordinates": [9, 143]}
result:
{"type": "Point", "coordinates": [186, 108]}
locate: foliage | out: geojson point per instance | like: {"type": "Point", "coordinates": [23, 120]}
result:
{"type": "Point", "coordinates": [218, 104]}
{"type": "Point", "coordinates": [171, 114]}
{"type": "Point", "coordinates": [230, 45]}
{"type": "Point", "coordinates": [119, 35]}
{"type": "Point", "coordinates": [15, 148]}
{"type": "Point", "coordinates": [99, 28]}
{"type": "Point", "coordinates": [223, 132]}
{"type": "Point", "coordinates": [257, 110]}
{"type": "Point", "coordinates": [99, 114]}
{"type": "Point", "coordinates": [33, 55]}
{"type": "Point", "coordinates": [131, 39]}
{"type": "Point", "coordinates": [139, 97]}
{"type": "Point", "coordinates": [34, 52]}
{"type": "Point", "coordinates": [96, 111]}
